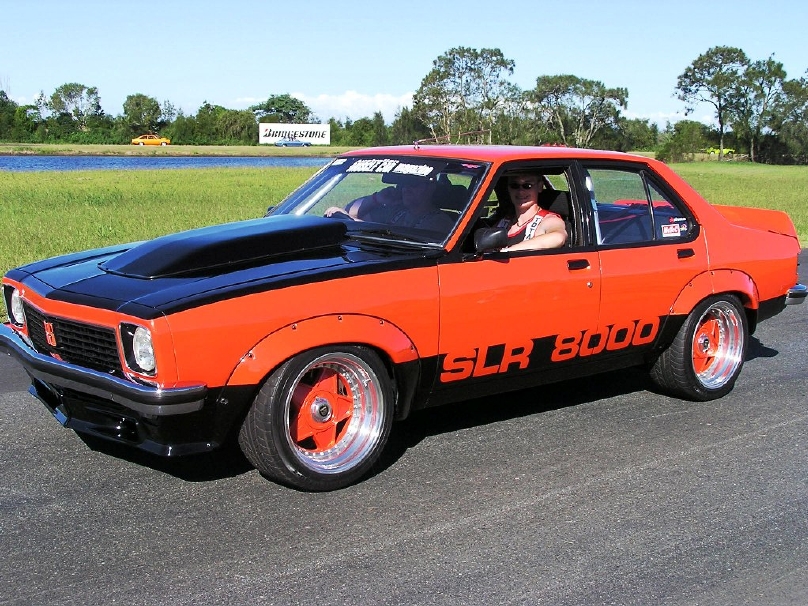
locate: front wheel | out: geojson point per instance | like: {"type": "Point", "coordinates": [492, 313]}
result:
{"type": "Point", "coordinates": [707, 354]}
{"type": "Point", "coordinates": [321, 420]}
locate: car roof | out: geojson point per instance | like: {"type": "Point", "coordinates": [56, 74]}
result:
{"type": "Point", "coordinates": [498, 153]}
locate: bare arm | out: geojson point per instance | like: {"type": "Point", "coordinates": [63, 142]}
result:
{"type": "Point", "coordinates": [551, 233]}
{"type": "Point", "coordinates": [358, 209]}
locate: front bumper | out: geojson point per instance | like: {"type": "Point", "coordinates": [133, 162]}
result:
{"type": "Point", "coordinates": [166, 422]}
{"type": "Point", "coordinates": [142, 399]}
{"type": "Point", "coordinates": [796, 294]}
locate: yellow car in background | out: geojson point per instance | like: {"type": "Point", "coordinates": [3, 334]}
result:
{"type": "Point", "coordinates": [151, 140]}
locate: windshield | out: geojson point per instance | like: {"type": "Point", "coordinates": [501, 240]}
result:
{"type": "Point", "coordinates": [412, 198]}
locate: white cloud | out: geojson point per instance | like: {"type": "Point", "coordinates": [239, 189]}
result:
{"type": "Point", "coordinates": [354, 105]}
{"type": "Point", "coordinates": [245, 102]}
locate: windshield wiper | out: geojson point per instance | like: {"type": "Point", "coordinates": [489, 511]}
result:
{"type": "Point", "coordinates": [388, 237]}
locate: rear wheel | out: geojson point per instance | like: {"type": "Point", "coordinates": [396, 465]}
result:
{"type": "Point", "coordinates": [704, 360]}
{"type": "Point", "coordinates": [321, 420]}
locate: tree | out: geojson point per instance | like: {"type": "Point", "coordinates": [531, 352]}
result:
{"type": "Point", "coordinates": [464, 91]}
{"type": "Point", "coordinates": [237, 126]}
{"type": "Point", "coordinates": [755, 96]}
{"type": "Point", "coordinates": [682, 141]}
{"type": "Point", "coordinates": [380, 132]}
{"type": "Point", "coordinates": [513, 125]}
{"type": "Point", "coordinates": [576, 108]}
{"type": "Point", "coordinates": [633, 134]}
{"type": "Point", "coordinates": [338, 134]}
{"type": "Point", "coordinates": [713, 78]}
{"type": "Point", "coordinates": [283, 108]}
{"type": "Point", "coordinates": [790, 121]}
{"type": "Point", "coordinates": [407, 128]}
{"type": "Point", "coordinates": [25, 123]}
{"type": "Point", "coordinates": [8, 111]}
{"type": "Point", "coordinates": [169, 112]}
{"type": "Point", "coordinates": [77, 101]}
{"type": "Point", "coordinates": [142, 113]}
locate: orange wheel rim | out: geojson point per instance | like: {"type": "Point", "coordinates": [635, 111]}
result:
{"type": "Point", "coordinates": [321, 408]}
{"type": "Point", "coordinates": [706, 344]}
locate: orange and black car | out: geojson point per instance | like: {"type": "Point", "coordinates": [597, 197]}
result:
{"type": "Point", "coordinates": [394, 280]}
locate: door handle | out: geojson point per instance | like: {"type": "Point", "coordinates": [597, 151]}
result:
{"type": "Point", "coordinates": [574, 264]}
{"type": "Point", "coordinates": [685, 253]}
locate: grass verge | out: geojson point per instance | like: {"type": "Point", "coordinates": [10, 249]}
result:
{"type": "Point", "coordinates": [50, 213]}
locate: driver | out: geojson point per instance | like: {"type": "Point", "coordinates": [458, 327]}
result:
{"type": "Point", "coordinates": [408, 205]}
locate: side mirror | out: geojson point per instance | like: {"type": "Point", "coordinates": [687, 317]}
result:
{"type": "Point", "coordinates": [487, 239]}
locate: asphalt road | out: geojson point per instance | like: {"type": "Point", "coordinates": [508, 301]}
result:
{"type": "Point", "coordinates": [595, 492]}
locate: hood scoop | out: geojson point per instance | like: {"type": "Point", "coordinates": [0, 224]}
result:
{"type": "Point", "coordinates": [213, 250]}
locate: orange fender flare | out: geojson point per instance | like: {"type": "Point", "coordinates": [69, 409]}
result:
{"type": "Point", "coordinates": [714, 282]}
{"type": "Point", "coordinates": [279, 346]}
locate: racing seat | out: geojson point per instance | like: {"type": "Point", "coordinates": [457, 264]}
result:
{"type": "Point", "coordinates": [453, 197]}
{"type": "Point", "coordinates": [449, 198]}
{"type": "Point", "coordinates": [558, 202]}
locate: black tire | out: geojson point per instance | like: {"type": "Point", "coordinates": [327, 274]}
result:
{"type": "Point", "coordinates": [707, 354]}
{"type": "Point", "coordinates": [321, 420]}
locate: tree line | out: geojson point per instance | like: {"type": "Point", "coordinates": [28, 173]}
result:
{"type": "Point", "coordinates": [468, 97]}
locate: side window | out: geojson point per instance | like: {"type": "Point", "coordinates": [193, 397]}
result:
{"type": "Point", "coordinates": [554, 195]}
{"type": "Point", "coordinates": [630, 209]}
{"type": "Point", "coordinates": [669, 221]}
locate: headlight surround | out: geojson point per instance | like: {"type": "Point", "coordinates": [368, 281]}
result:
{"type": "Point", "coordinates": [16, 311]}
{"type": "Point", "coordinates": [139, 349]}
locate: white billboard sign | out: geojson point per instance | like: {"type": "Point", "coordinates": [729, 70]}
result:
{"type": "Point", "coordinates": [313, 134]}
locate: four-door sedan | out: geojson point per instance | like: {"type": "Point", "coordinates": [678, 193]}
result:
{"type": "Point", "coordinates": [291, 142]}
{"type": "Point", "coordinates": [384, 285]}
{"type": "Point", "coordinates": [728, 151]}
{"type": "Point", "coordinates": [151, 140]}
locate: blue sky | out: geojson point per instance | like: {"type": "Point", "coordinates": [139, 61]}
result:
{"type": "Point", "coordinates": [350, 58]}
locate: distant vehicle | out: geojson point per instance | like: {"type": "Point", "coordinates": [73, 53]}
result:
{"type": "Point", "coordinates": [291, 142]}
{"type": "Point", "coordinates": [151, 140]}
{"type": "Point", "coordinates": [728, 151]}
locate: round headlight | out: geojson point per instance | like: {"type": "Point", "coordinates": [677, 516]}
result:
{"type": "Point", "coordinates": [143, 350]}
{"type": "Point", "coordinates": [17, 312]}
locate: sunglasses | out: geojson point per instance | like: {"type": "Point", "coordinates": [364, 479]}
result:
{"type": "Point", "coordinates": [521, 185]}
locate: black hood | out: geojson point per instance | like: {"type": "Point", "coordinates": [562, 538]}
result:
{"type": "Point", "coordinates": [201, 266]}
{"type": "Point", "coordinates": [223, 248]}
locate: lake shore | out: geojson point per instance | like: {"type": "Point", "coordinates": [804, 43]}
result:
{"type": "Point", "coordinates": [49, 149]}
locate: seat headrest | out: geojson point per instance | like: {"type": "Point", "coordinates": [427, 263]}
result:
{"type": "Point", "coordinates": [555, 201]}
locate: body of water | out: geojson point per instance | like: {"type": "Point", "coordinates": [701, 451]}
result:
{"type": "Point", "coordinates": [43, 163]}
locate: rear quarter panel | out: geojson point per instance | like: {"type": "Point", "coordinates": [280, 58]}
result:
{"type": "Point", "coordinates": [760, 243]}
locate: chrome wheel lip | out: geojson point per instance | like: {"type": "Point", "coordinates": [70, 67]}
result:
{"type": "Point", "coordinates": [729, 350]}
{"type": "Point", "coordinates": [365, 426]}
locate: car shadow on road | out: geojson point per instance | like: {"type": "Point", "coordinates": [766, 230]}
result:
{"type": "Point", "coordinates": [511, 405]}
{"type": "Point", "coordinates": [225, 462]}
{"type": "Point", "coordinates": [507, 406]}
{"type": "Point", "coordinates": [757, 349]}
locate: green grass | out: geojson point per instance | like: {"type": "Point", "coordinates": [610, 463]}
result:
{"type": "Point", "coordinates": [50, 213]}
{"type": "Point", "coordinates": [757, 185]}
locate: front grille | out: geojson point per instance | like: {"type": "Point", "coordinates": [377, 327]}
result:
{"type": "Point", "coordinates": [77, 343]}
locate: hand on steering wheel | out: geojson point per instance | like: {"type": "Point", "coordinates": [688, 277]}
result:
{"type": "Point", "coordinates": [338, 213]}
